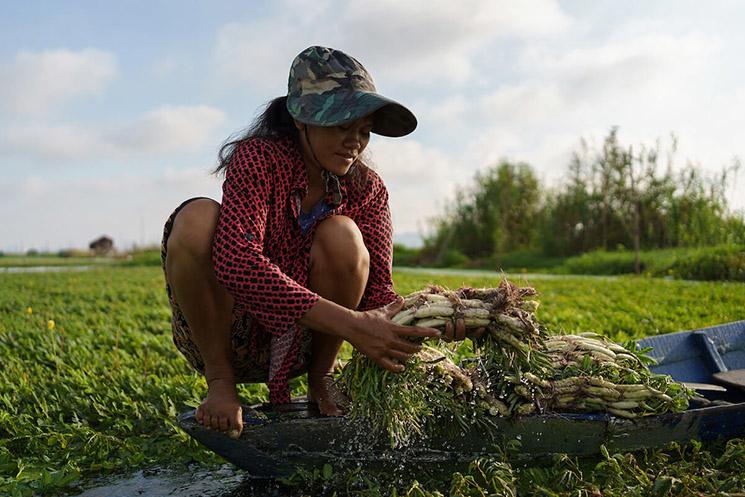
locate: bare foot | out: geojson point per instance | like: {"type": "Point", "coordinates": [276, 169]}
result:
{"type": "Point", "coordinates": [221, 410]}
{"type": "Point", "coordinates": [322, 391]}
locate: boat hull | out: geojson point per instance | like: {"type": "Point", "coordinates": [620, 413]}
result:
{"type": "Point", "coordinates": [280, 444]}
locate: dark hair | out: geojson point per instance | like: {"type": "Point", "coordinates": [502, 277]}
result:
{"type": "Point", "coordinates": [276, 123]}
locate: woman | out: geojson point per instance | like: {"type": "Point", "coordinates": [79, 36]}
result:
{"type": "Point", "coordinates": [297, 258]}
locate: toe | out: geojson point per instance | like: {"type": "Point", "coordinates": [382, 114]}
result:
{"type": "Point", "coordinates": [329, 408]}
{"type": "Point", "coordinates": [237, 422]}
{"type": "Point", "coordinates": [215, 422]}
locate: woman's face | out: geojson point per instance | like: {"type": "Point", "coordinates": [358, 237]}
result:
{"type": "Point", "coordinates": [335, 147]}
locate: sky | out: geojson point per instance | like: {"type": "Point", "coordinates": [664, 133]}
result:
{"type": "Point", "coordinates": [112, 113]}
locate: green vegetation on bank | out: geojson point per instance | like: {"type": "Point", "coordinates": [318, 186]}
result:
{"type": "Point", "coordinates": [704, 263]}
{"type": "Point", "coordinates": [51, 260]}
{"type": "Point", "coordinates": [140, 257]}
{"type": "Point", "coordinates": [91, 383]}
{"type": "Point", "coordinates": [614, 195]}
{"type": "Point", "coordinates": [717, 263]}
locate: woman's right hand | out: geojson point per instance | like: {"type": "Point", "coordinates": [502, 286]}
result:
{"type": "Point", "coordinates": [383, 341]}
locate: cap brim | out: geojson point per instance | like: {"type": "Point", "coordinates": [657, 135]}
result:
{"type": "Point", "coordinates": [391, 118]}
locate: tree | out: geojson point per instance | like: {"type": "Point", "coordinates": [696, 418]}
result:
{"type": "Point", "coordinates": [618, 197]}
{"type": "Point", "coordinates": [497, 214]}
{"type": "Point", "coordinates": [615, 196]}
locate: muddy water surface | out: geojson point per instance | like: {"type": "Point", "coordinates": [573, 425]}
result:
{"type": "Point", "coordinates": [225, 481]}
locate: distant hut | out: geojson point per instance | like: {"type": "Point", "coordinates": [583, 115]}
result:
{"type": "Point", "coordinates": [102, 245]}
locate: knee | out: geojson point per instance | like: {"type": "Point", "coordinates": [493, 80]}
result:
{"type": "Point", "coordinates": [193, 229]}
{"type": "Point", "coordinates": [338, 246]}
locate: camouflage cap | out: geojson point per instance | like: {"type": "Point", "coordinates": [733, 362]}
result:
{"type": "Point", "coordinates": [328, 87]}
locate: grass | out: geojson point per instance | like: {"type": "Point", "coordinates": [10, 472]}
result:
{"type": "Point", "coordinates": [90, 383]}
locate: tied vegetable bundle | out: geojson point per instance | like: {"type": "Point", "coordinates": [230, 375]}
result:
{"type": "Point", "coordinates": [517, 369]}
{"type": "Point", "coordinates": [594, 374]}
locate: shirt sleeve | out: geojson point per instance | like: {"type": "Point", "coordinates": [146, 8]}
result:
{"type": "Point", "coordinates": [375, 225]}
{"type": "Point", "coordinates": [270, 296]}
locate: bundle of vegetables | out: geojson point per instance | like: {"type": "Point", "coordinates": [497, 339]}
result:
{"type": "Point", "coordinates": [512, 351]}
{"type": "Point", "coordinates": [593, 373]}
{"type": "Point", "coordinates": [585, 373]}
{"type": "Point", "coordinates": [432, 385]}
{"type": "Point", "coordinates": [397, 405]}
{"type": "Point", "coordinates": [517, 369]}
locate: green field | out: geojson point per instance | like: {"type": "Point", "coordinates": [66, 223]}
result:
{"type": "Point", "coordinates": [90, 383]}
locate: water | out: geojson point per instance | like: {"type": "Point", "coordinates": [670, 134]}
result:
{"type": "Point", "coordinates": [226, 481]}
{"type": "Point", "coordinates": [43, 269]}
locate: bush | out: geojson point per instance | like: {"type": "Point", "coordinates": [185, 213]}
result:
{"type": "Point", "coordinates": [73, 253]}
{"type": "Point", "coordinates": [601, 262]}
{"type": "Point", "coordinates": [526, 260]}
{"type": "Point", "coordinates": [150, 257]}
{"type": "Point", "coordinates": [716, 263]}
{"type": "Point", "coordinates": [453, 258]}
{"type": "Point", "coordinates": [405, 256]}
{"type": "Point", "coordinates": [723, 262]}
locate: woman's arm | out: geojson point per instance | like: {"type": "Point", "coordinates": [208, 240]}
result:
{"type": "Point", "coordinates": [371, 332]}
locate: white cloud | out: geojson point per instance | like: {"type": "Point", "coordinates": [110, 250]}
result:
{"type": "Point", "coordinates": [493, 144]}
{"type": "Point", "coordinates": [650, 65]}
{"type": "Point", "coordinates": [51, 143]}
{"type": "Point", "coordinates": [163, 130]}
{"type": "Point", "coordinates": [648, 84]}
{"type": "Point", "coordinates": [436, 42]}
{"type": "Point", "coordinates": [643, 85]}
{"type": "Point", "coordinates": [38, 81]}
{"type": "Point", "coordinates": [423, 42]}
{"type": "Point", "coordinates": [169, 128]}
{"type": "Point", "coordinates": [130, 209]}
{"type": "Point", "coordinates": [258, 54]}
{"type": "Point", "coordinates": [453, 109]}
{"type": "Point", "coordinates": [420, 180]}
{"type": "Point", "coordinates": [529, 101]}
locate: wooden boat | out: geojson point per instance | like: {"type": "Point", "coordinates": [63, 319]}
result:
{"type": "Point", "coordinates": [275, 444]}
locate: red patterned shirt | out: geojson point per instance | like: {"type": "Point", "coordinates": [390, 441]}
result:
{"type": "Point", "coordinates": [262, 257]}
